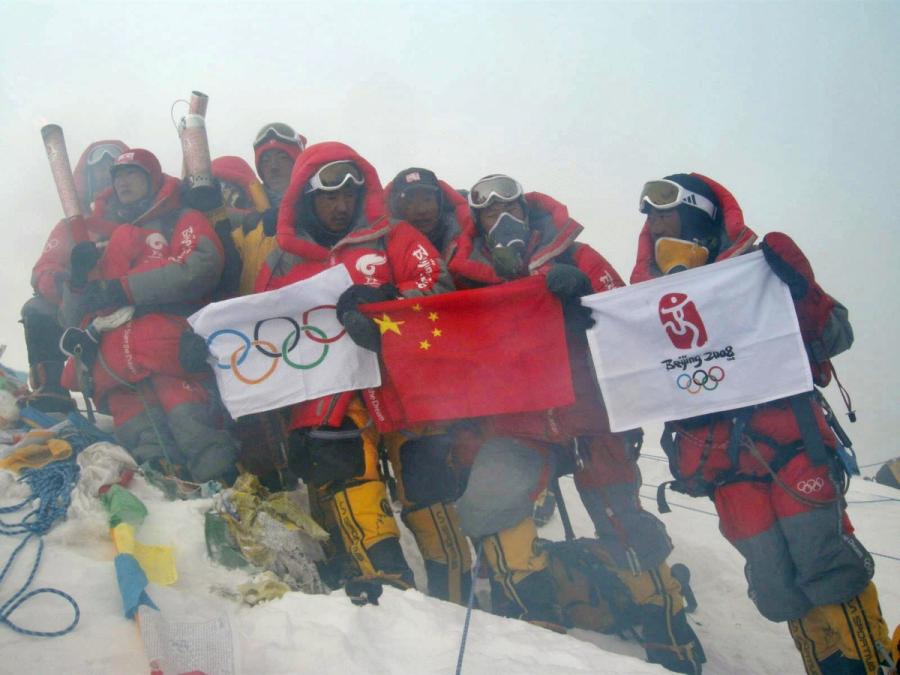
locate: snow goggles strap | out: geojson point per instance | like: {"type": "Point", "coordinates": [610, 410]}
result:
{"type": "Point", "coordinates": [496, 187]}
{"type": "Point", "coordinates": [278, 132]}
{"type": "Point", "coordinates": [335, 175]}
{"type": "Point", "coordinates": [667, 194]}
{"type": "Point", "coordinates": [105, 150]}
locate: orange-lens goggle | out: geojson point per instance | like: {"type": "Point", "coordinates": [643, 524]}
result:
{"type": "Point", "coordinates": [667, 194]}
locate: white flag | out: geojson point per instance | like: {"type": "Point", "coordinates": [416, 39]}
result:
{"type": "Point", "coordinates": [276, 348]}
{"type": "Point", "coordinates": [714, 338]}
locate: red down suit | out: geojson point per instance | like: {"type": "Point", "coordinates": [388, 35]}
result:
{"type": "Point", "coordinates": [349, 499]}
{"type": "Point", "coordinates": [167, 260]}
{"type": "Point", "coordinates": [607, 476]}
{"type": "Point", "coordinates": [777, 505]}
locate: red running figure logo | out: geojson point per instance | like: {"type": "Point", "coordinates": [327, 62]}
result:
{"type": "Point", "coordinates": [681, 319]}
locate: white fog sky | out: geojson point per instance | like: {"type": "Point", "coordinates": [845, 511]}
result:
{"type": "Point", "coordinates": [792, 106]}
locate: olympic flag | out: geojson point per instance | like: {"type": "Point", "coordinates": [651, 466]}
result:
{"type": "Point", "coordinates": [718, 337]}
{"type": "Point", "coordinates": [281, 347]}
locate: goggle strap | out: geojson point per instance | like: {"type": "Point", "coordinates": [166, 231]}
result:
{"type": "Point", "coordinates": [685, 196]}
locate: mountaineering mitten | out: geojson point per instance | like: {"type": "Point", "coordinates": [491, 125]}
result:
{"type": "Point", "coordinates": [360, 294]}
{"type": "Point", "coordinates": [206, 198]}
{"type": "Point", "coordinates": [192, 352]}
{"type": "Point", "coordinates": [79, 344]}
{"type": "Point", "coordinates": [83, 258]}
{"type": "Point", "coordinates": [270, 221]}
{"type": "Point", "coordinates": [361, 329]}
{"type": "Point", "coordinates": [567, 281]}
{"type": "Point", "coordinates": [107, 293]}
{"type": "Point", "coordinates": [788, 263]}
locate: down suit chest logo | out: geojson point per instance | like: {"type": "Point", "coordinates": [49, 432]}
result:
{"type": "Point", "coordinates": [367, 265]}
{"type": "Point", "coordinates": [682, 321]}
{"type": "Point", "coordinates": [156, 242]}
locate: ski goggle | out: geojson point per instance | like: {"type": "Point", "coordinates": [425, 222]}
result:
{"type": "Point", "coordinates": [278, 132]}
{"type": "Point", "coordinates": [335, 175]}
{"type": "Point", "coordinates": [105, 150]}
{"type": "Point", "coordinates": [667, 194]}
{"type": "Point", "coordinates": [497, 187]}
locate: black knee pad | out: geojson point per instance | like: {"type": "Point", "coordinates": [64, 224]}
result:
{"type": "Point", "coordinates": [327, 454]}
{"type": "Point", "coordinates": [427, 477]}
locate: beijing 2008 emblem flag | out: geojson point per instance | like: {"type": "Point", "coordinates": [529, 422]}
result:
{"type": "Point", "coordinates": [718, 337]}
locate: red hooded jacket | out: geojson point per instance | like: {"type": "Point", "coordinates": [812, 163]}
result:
{"type": "Point", "coordinates": [702, 443]}
{"type": "Point", "coordinates": [52, 267]}
{"type": "Point", "coordinates": [376, 251]}
{"type": "Point", "coordinates": [183, 277]}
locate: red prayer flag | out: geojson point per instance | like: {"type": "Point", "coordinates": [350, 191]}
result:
{"type": "Point", "coordinates": [489, 351]}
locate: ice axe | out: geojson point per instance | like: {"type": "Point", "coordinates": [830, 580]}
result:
{"type": "Point", "coordinates": [58, 156]}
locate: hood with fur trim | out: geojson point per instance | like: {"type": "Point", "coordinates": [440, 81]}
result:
{"type": "Point", "coordinates": [737, 237]}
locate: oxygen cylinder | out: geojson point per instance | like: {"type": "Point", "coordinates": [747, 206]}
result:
{"type": "Point", "coordinates": [58, 156]}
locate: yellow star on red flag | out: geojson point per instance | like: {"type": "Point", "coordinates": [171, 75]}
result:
{"type": "Point", "coordinates": [385, 324]}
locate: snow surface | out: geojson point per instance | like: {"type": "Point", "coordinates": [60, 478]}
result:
{"type": "Point", "coordinates": [407, 632]}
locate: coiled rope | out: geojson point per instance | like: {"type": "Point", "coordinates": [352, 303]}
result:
{"type": "Point", "coordinates": [51, 486]}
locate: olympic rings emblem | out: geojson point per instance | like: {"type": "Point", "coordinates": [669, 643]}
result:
{"type": "Point", "coordinates": [810, 485]}
{"type": "Point", "coordinates": [271, 350]}
{"type": "Point", "coordinates": [701, 379]}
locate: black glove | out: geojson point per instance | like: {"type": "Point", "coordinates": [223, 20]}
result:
{"type": "Point", "coordinates": [362, 330]}
{"type": "Point", "coordinates": [105, 294]}
{"type": "Point", "coordinates": [270, 222]}
{"type": "Point", "coordinates": [567, 281]}
{"type": "Point", "coordinates": [192, 352]}
{"type": "Point", "coordinates": [360, 294]}
{"type": "Point", "coordinates": [79, 344]}
{"type": "Point", "coordinates": [82, 260]}
{"type": "Point", "coordinates": [576, 316]}
{"type": "Point", "coordinates": [202, 197]}
{"type": "Point", "coordinates": [796, 282]}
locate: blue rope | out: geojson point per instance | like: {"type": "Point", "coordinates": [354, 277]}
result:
{"type": "Point", "coordinates": [52, 486]}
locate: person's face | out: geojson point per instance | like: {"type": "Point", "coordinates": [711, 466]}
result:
{"type": "Point", "coordinates": [335, 208]}
{"type": "Point", "coordinates": [275, 167]}
{"type": "Point", "coordinates": [492, 211]}
{"type": "Point", "coordinates": [99, 177]}
{"type": "Point", "coordinates": [131, 184]}
{"type": "Point", "coordinates": [664, 224]}
{"type": "Point", "coordinates": [422, 209]}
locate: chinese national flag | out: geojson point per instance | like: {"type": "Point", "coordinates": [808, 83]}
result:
{"type": "Point", "coordinates": [500, 349]}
